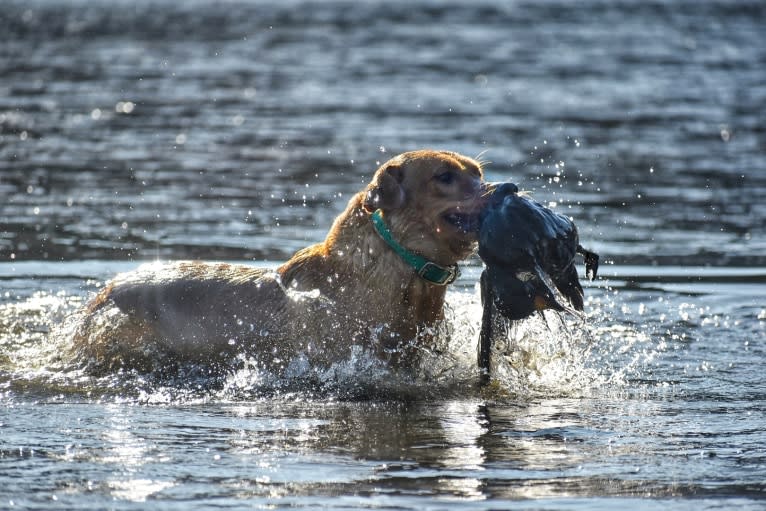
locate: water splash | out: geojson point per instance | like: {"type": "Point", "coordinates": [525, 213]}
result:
{"type": "Point", "coordinates": [546, 355]}
{"type": "Point", "coordinates": [31, 360]}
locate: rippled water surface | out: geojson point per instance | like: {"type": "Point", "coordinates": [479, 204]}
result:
{"type": "Point", "coordinates": [237, 130]}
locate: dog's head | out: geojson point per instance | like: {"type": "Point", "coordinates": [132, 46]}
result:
{"type": "Point", "coordinates": [431, 201]}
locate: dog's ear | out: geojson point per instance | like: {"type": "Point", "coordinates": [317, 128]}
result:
{"type": "Point", "coordinates": [386, 191]}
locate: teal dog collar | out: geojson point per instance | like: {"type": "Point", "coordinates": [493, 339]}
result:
{"type": "Point", "coordinates": [427, 270]}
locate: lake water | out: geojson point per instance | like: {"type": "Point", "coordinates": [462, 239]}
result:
{"type": "Point", "coordinates": [132, 131]}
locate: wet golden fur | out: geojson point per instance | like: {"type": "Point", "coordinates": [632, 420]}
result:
{"type": "Point", "coordinates": [350, 289]}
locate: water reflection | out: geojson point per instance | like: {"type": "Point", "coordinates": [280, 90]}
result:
{"type": "Point", "coordinates": [455, 450]}
{"type": "Point", "coordinates": [463, 424]}
{"type": "Point", "coordinates": [122, 447]}
{"type": "Point", "coordinates": [126, 452]}
{"type": "Point", "coordinates": [137, 490]}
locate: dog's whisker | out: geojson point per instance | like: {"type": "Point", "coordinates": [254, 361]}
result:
{"type": "Point", "coordinates": [480, 159]}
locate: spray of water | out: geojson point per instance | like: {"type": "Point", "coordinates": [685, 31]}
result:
{"type": "Point", "coordinates": [546, 355]}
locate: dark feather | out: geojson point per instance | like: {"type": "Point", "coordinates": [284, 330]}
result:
{"type": "Point", "coordinates": [529, 250]}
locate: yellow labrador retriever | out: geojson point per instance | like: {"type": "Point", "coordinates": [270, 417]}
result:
{"type": "Point", "coordinates": [377, 280]}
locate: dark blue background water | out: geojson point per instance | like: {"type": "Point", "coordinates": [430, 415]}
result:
{"type": "Point", "coordinates": [246, 121]}
{"type": "Point", "coordinates": [237, 130]}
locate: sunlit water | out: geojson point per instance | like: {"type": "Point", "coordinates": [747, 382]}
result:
{"type": "Point", "coordinates": [657, 393]}
{"type": "Point", "coordinates": [134, 131]}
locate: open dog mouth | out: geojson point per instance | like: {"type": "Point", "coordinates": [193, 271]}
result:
{"type": "Point", "coordinates": [467, 222]}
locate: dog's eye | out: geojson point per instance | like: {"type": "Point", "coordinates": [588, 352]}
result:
{"type": "Point", "coordinates": [445, 177]}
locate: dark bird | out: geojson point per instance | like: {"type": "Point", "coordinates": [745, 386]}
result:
{"type": "Point", "coordinates": [529, 252]}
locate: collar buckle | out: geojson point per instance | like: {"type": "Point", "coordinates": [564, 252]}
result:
{"type": "Point", "coordinates": [439, 275]}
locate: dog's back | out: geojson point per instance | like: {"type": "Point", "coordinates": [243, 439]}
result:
{"type": "Point", "coordinates": [185, 312]}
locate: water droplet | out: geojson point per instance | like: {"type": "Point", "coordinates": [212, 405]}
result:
{"type": "Point", "coordinates": [124, 107]}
